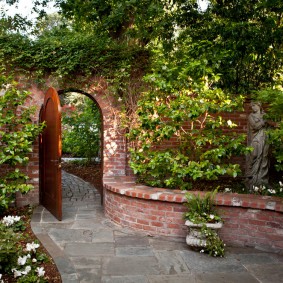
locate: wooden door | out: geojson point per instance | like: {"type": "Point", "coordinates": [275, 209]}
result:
{"type": "Point", "coordinates": [50, 154]}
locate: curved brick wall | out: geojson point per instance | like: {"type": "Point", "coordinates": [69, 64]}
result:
{"type": "Point", "coordinates": [249, 220]}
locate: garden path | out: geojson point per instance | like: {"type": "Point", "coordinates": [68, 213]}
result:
{"type": "Point", "coordinates": [89, 248]}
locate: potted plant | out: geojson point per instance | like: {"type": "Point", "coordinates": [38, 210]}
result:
{"type": "Point", "coordinates": [203, 221]}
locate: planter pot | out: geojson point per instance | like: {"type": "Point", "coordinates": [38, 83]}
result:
{"type": "Point", "coordinates": [194, 237]}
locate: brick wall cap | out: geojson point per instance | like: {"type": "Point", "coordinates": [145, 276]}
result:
{"type": "Point", "coordinates": [127, 186]}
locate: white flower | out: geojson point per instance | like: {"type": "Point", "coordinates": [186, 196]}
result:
{"type": "Point", "coordinates": [40, 271]}
{"type": "Point", "coordinates": [22, 260]}
{"type": "Point", "coordinates": [10, 220]}
{"type": "Point", "coordinates": [271, 191]}
{"type": "Point", "coordinates": [17, 273]}
{"type": "Point", "coordinates": [230, 123]}
{"type": "Point", "coordinates": [31, 247]}
{"type": "Point", "coordinates": [281, 184]}
{"type": "Point", "coordinates": [27, 270]}
{"type": "Point", "coordinates": [227, 190]}
{"type": "Point", "coordinates": [34, 260]}
{"type": "Point", "coordinates": [256, 189]}
{"type": "Point", "coordinates": [211, 216]}
{"type": "Point", "coordinates": [17, 218]}
{"type": "Point", "coordinates": [201, 251]}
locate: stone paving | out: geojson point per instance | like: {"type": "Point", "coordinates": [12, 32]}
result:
{"type": "Point", "coordinates": [88, 248]}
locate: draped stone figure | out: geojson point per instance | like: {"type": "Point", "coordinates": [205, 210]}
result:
{"type": "Point", "coordinates": [257, 166]}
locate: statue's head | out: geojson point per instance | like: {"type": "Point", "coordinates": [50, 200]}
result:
{"type": "Point", "coordinates": [256, 106]}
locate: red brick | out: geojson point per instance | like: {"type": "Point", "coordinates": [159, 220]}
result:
{"type": "Point", "coordinates": [157, 224]}
{"type": "Point", "coordinates": [143, 221]}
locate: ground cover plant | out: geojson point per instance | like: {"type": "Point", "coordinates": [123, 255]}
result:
{"type": "Point", "coordinates": [22, 256]}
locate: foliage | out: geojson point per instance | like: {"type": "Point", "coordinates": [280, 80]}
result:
{"type": "Point", "coordinates": [89, 36]}
{"type": "Point", "coordinates": [275, 190]}
{"type": "Point", "coordinates": [232, 47]}
{"type": "Point", "coordinates": [214, 246]}
{"type": "Point", "coordinates": [135, 21]}
{"type": "Point", "coordinates": [274, 99]}
{"type": "Point", "coordinates": [18, 133]}
{"type": "Point", "coordinates": [15, 221]}
{"type": "Point", "coordinates": [18, 256]}
{"type": "Point", "coordinates": [201, 209]}
{"type": "Point", "coordinates": [249, 32]}
{"type": "Point", "coordinates": [8, 249]}
{"type": "Point", "coordinates": [82, 130]}
{"type": "Point", "coordinates": [186, 108]}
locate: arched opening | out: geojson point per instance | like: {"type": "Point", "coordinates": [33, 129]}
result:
{"type": "Point", "coordinates": [83, 122]}
{"type": "Point", "coordinates": [82, 143]}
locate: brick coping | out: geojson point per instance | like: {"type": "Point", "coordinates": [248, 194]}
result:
{"type": "Point", "coordinates": [125, 185]}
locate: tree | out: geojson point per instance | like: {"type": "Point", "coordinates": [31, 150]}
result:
{"type": "Point", "coordinates": [185, 107]}
{"type": "Point", "coordinates": [247, 33]}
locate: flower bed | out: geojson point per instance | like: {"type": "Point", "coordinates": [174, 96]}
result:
{"type": "Point", "coordinates": [249, 220]}
{"type": "Point", "coordinates": [22, 257]}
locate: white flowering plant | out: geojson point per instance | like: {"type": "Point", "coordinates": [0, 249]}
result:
{"type": "Point", "coordinates": [15, 222]}
{"type": "Point", "coordinates": [201, 210]}
{"type": "Point", "coordinates": [275, 190]}
{"type": "Point", "coordinates": [214, 246]}
{"type": "Point", "coordinates": [26, 268]}
{"type": "Point", "coordinates": [19, 259]}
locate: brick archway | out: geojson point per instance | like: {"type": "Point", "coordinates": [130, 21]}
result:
{"type": "Point", "coordinates": [114, 147]}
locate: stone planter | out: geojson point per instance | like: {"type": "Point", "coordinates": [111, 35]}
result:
{"type": "Point", "coordinates": [194, 237]}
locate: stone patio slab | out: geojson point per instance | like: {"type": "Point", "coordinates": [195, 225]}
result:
{"type": "Point", "coordinates": [267, 273]}
{"type": "Point", "coordinates": [89, 249]}
{"type": "Point", "coordinates": [202, 262]}
{"type": "Point", "coordinates": [124, 279]}
{"type": "Point", "coordinates": [134, 251]}
{"type": "Point", "coordinates": [128, 266]}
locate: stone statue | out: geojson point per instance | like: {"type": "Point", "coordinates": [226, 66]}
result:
{"type": "Point", "coordinates": [257, 167]}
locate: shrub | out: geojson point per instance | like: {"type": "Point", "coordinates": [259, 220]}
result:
{"type": "Point", "coordinates": [192, 119]}
{"type": "Point", "coordinates": [17, 132]}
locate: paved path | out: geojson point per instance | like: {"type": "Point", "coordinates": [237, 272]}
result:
{"type": "Point", "coordinates": [89, 248]}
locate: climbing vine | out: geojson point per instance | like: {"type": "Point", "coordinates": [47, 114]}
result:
{"type": "Point", "coordinates": [17, 132]}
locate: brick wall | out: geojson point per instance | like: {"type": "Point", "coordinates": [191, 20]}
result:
{"type": "Point", "coordinates": [32, 171]}
{"type": "Point", "coordinates": [114, 144]}
{"type": "Point", "coordinates": [113, 140]}
{"type": "Point", "coordinates": [249, 220]}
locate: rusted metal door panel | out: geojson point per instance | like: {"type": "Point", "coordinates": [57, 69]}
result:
{"type": "Point", "coordinates": [51, 149]}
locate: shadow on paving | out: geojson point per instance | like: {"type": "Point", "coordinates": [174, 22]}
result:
{"type": "Point", "coordinates": [88, 247]}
